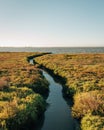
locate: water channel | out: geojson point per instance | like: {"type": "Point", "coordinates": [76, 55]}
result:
{"type": "Point", "coordinates": [58, 114]}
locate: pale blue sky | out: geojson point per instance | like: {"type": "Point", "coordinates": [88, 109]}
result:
{"type": "Point", "coordinates": [51, 23]}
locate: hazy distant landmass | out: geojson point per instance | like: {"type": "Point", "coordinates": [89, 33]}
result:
{"type": "Point", "coordinates": [54, 49]}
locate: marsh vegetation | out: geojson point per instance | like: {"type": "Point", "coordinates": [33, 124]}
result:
{"type": "Point", "coordinates": [84, 76]}
{"type": "Point", "coordinates": [22, 87]}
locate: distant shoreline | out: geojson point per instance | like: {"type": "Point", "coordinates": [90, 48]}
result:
{"type": "Point", "coordinates": [56, 50]}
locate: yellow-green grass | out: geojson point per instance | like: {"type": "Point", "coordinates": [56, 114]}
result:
{"type": "Point", "coordinates": [20, 82]}
{"type": "Point", "coordinates": [84, 76]}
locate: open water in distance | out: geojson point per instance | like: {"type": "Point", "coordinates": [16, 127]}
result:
{"type": "Point", "coordinates": [58, 114]}
{"type": "Point", "coordinates": [54, 49]}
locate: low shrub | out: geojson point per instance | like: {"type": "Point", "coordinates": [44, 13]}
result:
{"type": "Point", "coordinates": [4, 84]}
{"type": "Point", "coordinates": [28, 112]}
{"type": "Point", "coordinates": [88, 102]}
{"type": "Point", "coordinates": [92, 122]}
{"type": "Point", "coordinates": [21, 111]}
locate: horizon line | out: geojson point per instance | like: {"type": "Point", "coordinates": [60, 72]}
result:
{"type": "Point", "coordinates": [48, 46]}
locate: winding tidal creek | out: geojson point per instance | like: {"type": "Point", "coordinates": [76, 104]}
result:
{"type": "Point", "coordinates": [58, 114]}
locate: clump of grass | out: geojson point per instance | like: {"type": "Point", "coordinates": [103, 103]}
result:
{"type": "Point", "coordinates": [92, 122]}
{"type": "Point", "coordinates": [4, 83]}
{"type": "Point", "coordinates": [88, 102]}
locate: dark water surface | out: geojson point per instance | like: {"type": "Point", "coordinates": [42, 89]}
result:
{"type": "Point", "coordinates": [54, 49]}
{"type": "Point", "coordinates": [58, 114]}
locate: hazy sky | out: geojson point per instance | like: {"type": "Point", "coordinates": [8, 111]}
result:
{"type": "Point", "coordinates": [51, 23]}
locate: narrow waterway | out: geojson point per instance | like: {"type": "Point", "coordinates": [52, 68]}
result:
{"type": "Point", "coordinates": [58, 114]}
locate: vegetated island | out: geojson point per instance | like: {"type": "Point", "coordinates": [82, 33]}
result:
{"type": "Point", "coordinates": [84, 82]}
{"type": "Point", "coordinates": [22, 89]}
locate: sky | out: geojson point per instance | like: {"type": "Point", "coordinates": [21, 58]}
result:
{"type": "Point", "coordinates": [52, 23]}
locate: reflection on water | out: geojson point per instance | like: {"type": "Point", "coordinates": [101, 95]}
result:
{"type": "Point", "coordinates": [58, 114]}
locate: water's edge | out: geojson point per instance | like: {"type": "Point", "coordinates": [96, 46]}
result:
{"type": "Point", "coordinates": [58, 115]}
{"type": "Point", "coordinates": [63, 108]}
